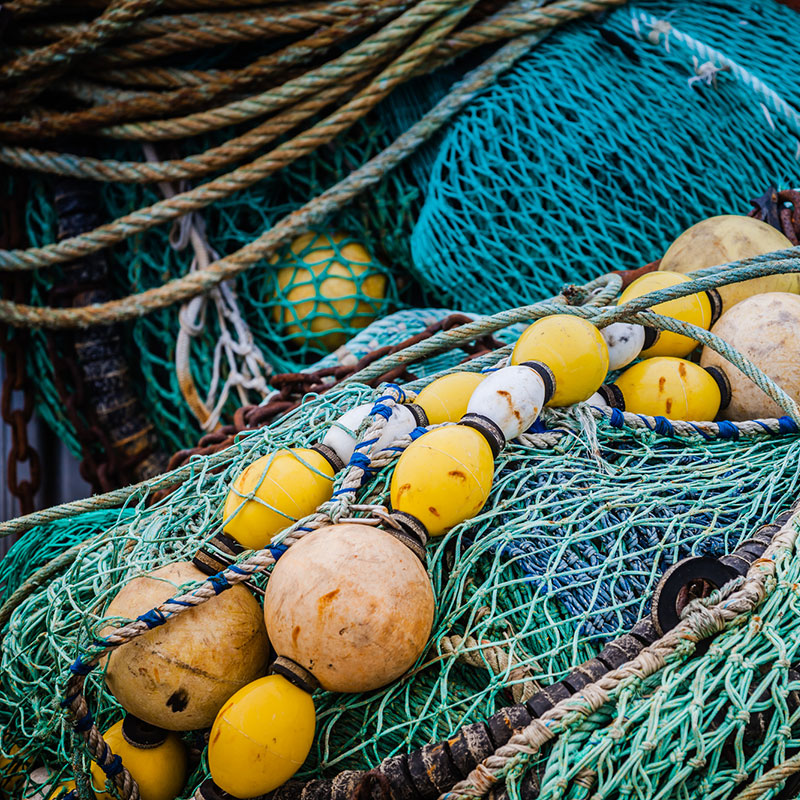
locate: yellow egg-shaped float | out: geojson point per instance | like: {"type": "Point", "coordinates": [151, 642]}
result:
{"type": "Point", "coordinates": [670, 387]}
{"type": "Point", "coordinates": [261, 737]}
{"type": "Point", "coordinates": [178, 675]}
{"type": "Point", "coordinates": [765, 329]}
{"type": "Point", "coordinates": [286, 485]}
{"type": "Point", "coordinates": [572, 348]}
{"type": "Point", "coordinates": [446, 398]}
{"type": "Point", "coordinates": [13, 772]}
{"type": "Point", "coordinates": [694, 308]}
{"type": "Point", "coordinates": [328, 285]}
{"type": "Point", "coordinates": [157, 764]}
{"type": "Point", "coordinates": [443, 478]}
{"type": "Point", "coordinates": [727, 238]}
{"type": "Point", "coordinates": [351, 604]}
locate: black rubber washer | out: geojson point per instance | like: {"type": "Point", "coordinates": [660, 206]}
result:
{"type": "Point", "coordinates": [723, 383]}
{"type": "Point", "coordinates": [612, 394]}
{"type": "Point", "coordinates": [716, 305]}
{"type": "Point", "coordinates": [675, 583]}
{"type": "Point", "coordinates": [546, 374]}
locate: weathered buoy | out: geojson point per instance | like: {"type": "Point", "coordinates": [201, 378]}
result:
{"type": "Point", "coordinates": [720, 240]}
{"type": "Point", "coordinates": [670, 387]}
{"type": "Point", "coordinates": [66, 790]}
{"type": "Point", "coordinates": [765, 329]}
{"type": "Point", "coordinates": [446, 398]}
{"type": "Point", "coordinates": [155, 758]}
{"type": "Point", "coordinates": [351, 604]}
{"type": "Point", "coordinates": [443, 478]}
{"type": "Point", "coordinates": [572, 348]}
{"type": "Point", "coordinates": [694, 308]}
{"type": "Point", "coordinates": [625, 341]}
{"type": "Point", "coordinates": [261, 737]}
{"type": "Point", "coordinates": [328, 285]}
{"type": "Point", "coordinates": [287, 486]}
{"type": "Point", "coordinates": [178, 675]}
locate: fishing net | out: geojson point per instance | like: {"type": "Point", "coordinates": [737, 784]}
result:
{"type": "Point", "coordinates": [586, 513]}
{"type": "Point", "coordinates": [604, 143]}
{"type": "Point", "coordinates": [540, 180]}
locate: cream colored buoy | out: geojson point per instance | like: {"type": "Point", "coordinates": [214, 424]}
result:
{"type": "Point", "coordinates": [352, 605]}
{"type": "Point", "coordinates": [720, 240]}
{"type": "Point", "coordinates": [766, 329]}
{"type": "Point", "coordinates": [326, 290]}
{"type": "Point", "coordinates": [178, 675]}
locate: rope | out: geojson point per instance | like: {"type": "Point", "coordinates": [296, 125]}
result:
{"type": "Point", "coordinates": [771, 779]}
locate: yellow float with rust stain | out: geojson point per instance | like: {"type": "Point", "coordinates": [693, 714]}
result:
{"type": "Point", "coordinates": [177, 676]}
{"type": "Point", "coordinates": [726, 238]}
{"type": "Point", "coordinates": [572, 348]}
{"type": "Point", "coordinates": [446, 399]}
{"type": "Point", "coordinates": [286, 486]}
{"type": "Point", "coordinates": [695, 309]}
{"type": "Point", "coordinates": [351, 604]}
{"type": "Point", "coordinates": [443, 478]}
{"type": "Point", "coordinates": [326, 289]}
{"type": "Point", "coordinates": [670, 387]}
{"type": "Point", "coordinates": [159, 769]}
{"type": "Point", "coordinates": [261, 737]}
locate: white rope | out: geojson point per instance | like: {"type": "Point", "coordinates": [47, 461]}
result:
{"type": "Point", "coordinates": [235, 353]}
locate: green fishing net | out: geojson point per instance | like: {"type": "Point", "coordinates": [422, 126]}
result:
{"type": "Point", "coordinates": [564, 557]}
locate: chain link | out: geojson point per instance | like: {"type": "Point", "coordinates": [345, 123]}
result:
{"type": "Point", "coordinates": [17, 399]}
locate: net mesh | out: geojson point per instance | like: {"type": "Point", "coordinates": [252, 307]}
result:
{"type": "Point", "coordinates": [563, 558]}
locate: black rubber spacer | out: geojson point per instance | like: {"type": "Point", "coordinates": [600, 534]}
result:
{"type": "Point", "coordinates": [413, 534]}
{"type": "Point", "coordinates": [546, 374]}
{"type": "Point", "coordinates": [723, 383]}
{"type": "Point", "coordinates": [612, 394]}
{"type": "Point", "coordinates": [139, 733]}
{"type": "Point", "coordinates": [419, 415]}
{"type": "Point", "coordinates": [294, 673]}
{"type": "Point", "coordinates": [329, 454]}
{"type": "Point", "coordinates": [210, 791]}
{"type": "Point", "coordinates": [651, 336]}
{"type": "Point", "coordinates": [665, 612]}
{"type": "Point", "coordinates": [217, 553]}
{"type": "Point", "coordinates": [716, 305]}
{"type": "Point", "coordinates": [490, 431]}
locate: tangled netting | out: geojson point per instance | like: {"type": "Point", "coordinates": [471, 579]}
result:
{"type": "Point", "coordinates": [564, 557]}
{"type": "Point", "coordinates": [605, 142]}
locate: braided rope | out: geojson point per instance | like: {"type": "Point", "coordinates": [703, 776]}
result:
{"type": "Point", "coordinates": [770, 779]}
{"type": "Point", "coordinates": [701, 619]}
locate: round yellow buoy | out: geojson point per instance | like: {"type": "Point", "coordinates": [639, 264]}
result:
{"type": "Point", "coordinates": [261, 737]}
{"type": "Point", "coordinates": [670, 387]}
{"type": "Point", "coordinates": [326, 289]}
{"type": "Point", "coordinates": [446, 398]}
{"type": "Point", "coordinates": [157, 763]}
{"type": "Point", "coordinates": [694, 308]}
{"type": "Point", "coordinates": [287, 485]}
{"type": "Point", "coordinates": [178, 675]}
{"type": "Point", "coordinates": [764, 328]}
{"type": "Point", "coordinates": [443, 478]}
{"type": "Point", "coordinates": [572, 348]}
{"type": "Point", "coordinates": [351, 604]}
{"type": "Point", "coordinates": [720, 240]}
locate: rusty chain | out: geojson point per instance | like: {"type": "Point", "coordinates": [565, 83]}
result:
{"type": "Point", "coordinates": [17, 415]}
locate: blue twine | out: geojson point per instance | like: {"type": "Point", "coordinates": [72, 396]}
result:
{"type": "Point", "coordinates": [617, 418]}
{"type": "Point", "coordinates": [343, 491]}
{"type": "Point", "coordinates": [415, 434]}
{"type": "Point", "coordinates": [84, 723]}
{"type": "Point", "coordinates": [78, 667]}
{"type": "Point", "coordinates": [727, 430]}
{"type": "Point", "coordinates": [381, 410]}
{"type": "Point", "coordinates": [787, 425]}
{"type": "Point", "coordinates": [114, 766]}
{"type": "Point", "coordinates": [219, 582]}
{"type": "Point", "coordinates": [663, 426]}
{"type": "Point", "coordinates": [277, 550]}
{"type": "Point", "coordinates": [152, 618]}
